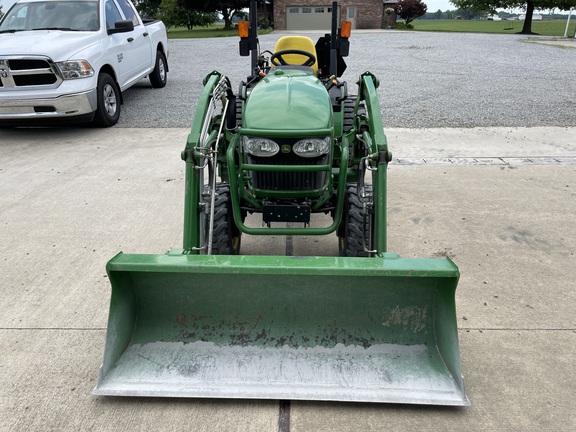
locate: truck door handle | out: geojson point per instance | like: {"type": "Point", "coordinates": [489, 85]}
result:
{"type": "Point", "coordinates": [130, 39]}
{"type": "Point", "coordinates": [145, 34]}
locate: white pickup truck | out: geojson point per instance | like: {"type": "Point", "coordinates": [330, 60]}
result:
{"type": "Point", "coordinates": [71, 60]}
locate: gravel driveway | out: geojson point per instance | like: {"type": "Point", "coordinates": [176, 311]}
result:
{"type": "Point", "coordinates": [427, 79]}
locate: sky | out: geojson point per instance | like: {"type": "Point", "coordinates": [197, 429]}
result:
{"type": "Point", "coordinates": [434, 5]}
{"type": "Point", "coordinates": [444, 5]}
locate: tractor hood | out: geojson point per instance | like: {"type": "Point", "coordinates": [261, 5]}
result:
{"type": "Point", "coordinates": [288, 100]}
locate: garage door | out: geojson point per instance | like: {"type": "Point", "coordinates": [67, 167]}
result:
{"type": "Point", "coordinates": [308, 18]}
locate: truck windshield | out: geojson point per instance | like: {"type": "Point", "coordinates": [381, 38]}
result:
{"type": "Point", "coordinates": [74, 15]}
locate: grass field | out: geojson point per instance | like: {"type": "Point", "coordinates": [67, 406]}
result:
{"type": "Point", "coordinates": [544, 27]}
{"type": "Point", "coordinates": [204, 32]}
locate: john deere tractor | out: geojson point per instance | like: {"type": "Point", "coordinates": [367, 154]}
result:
{"type": "Point", "coordinates": [291, 142]}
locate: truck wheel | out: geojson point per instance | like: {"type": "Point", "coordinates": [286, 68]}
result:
{"type": "Point", "coordinates": [158, 76]}
{"type": "Point", "coordinates": [356, 230]}
{"type": "Point", "coordinates": [108, 102]}
{"type": "Point", "coordinates": [226, 237]}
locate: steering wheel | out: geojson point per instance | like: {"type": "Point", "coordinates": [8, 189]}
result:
{"type": "Point", "coordinates": [277, 58]}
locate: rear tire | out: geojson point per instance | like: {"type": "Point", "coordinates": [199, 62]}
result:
{"type": "Point", "coordinates": [349, 105]}
{"type": "Point", "coordinates": [226, 238]}
{"type": "Point", "coordinates": [238, 112]}
{"type": "Point", "coordinates": [108, 102]}
{"type": "Point", "coordinates": [357, 227]}
{"type": "Point", "coordinates": [159, 76]}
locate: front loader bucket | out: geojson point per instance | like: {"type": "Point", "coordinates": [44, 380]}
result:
{"type": "Point", "coordinates": [266, 327]}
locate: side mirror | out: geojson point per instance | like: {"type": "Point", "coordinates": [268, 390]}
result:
{"type": "Point", "coordinates": [123, 26]}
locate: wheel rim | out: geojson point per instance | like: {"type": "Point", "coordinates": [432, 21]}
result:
{"type": "Point", "coordinates": [110, 102]}
{"type": "Point", "coordinates": [162, 70]}
{"type": "Point", "coordinates": [235, 243]}
{"type": "Point", "coordinates": [342, 246]}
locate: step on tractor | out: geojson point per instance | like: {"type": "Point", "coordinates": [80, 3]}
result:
{"type": "Point", "coordinates": [293, 144]}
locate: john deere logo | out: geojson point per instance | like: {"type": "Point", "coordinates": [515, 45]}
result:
{"type": "Point", "coordinates": [286, 148]}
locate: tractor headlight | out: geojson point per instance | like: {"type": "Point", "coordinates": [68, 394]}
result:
{"type": "Point", "coordinates": [312, 147]}
{"type": "Point", "coordinates": [261, 147]}
{"type": "Point", "coordinates": [75, 69]}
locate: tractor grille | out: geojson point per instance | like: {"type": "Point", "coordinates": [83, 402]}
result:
{"type": "Point", "coordinates": [288, 181]}
{"type": "Point", "coordinates": [27, 72]}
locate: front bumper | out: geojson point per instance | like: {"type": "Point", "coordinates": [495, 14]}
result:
{"type": "Point", "coordinates": [64, 106]}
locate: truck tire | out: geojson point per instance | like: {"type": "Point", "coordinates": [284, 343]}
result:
{"type": "Point", "coordinates": [108, 102]}
{"type": "Point", "coordinates": [158, 76]}
{"type": "Point", "coordinates": [357, 227]}
{"type": "Point", "coordinates": [226, 237]}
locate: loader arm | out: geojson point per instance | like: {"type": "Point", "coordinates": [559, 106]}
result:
{"type": "Point", "coordinates": [379, 155]}
{"type": "Point", "coordinates": [198, 147]}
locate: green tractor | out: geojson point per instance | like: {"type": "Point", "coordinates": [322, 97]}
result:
{"type": "Point", "coordinates": [207, 321]}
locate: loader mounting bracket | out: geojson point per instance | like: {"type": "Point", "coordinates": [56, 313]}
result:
{"type": "Point", "coordinates": [286, 213]}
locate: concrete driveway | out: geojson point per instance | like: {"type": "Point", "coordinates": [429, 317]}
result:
{"type": "Point", "coordinates": [499, 201]}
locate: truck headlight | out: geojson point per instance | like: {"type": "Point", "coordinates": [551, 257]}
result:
{"type": "Point", "coordinates": [312, 147]}
{"type": "Point", "coordinates": [262, 147]}
{"type": "Point", "coordinates": [75, 69]}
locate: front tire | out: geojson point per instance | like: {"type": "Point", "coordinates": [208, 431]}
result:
{"type": "Point", "coordinates": [226, 238]}
{"type": "Point", "coordinates": [159, 75]}
{"type": "Point", "coordinates": [356, 231]}
{"type": "Point", "coordinates": [108, 102]}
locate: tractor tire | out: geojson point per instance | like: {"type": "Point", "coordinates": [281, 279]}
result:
{"type": "Point", "coordinates": [349, 116]}
{"type": "Point", "coordinates": [355, 226]}
{"type": "Point", "coordinates": [239, 112]}
{"type": "Point", "coordinates": [226, 238]}
{"type": "Point", "coordinates": [159, 75]}
{"type": "Point", "coordinates": [108, 101]}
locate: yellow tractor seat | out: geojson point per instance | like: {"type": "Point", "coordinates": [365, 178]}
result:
{"type": "Point", "coordinates": [301, 43]}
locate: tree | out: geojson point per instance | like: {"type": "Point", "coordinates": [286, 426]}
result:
{"type": "Point", "coordinates": [470, 13]}
{"type": "Point", "coordinates": [148, 8]}
{"type": "Point", "coordinates": [173, 13]}
{"type": "Point", "coordinates": [528, 5]}
{"type": "Point", "coordinates": [409, 10]}
{"type": "Point", "coordinates": [226, 8]}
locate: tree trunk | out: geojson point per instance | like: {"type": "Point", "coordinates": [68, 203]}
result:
{"type": "Point", "coordinates": [527, 28]}
{"type": "Point", "coordinates": [227, 15]}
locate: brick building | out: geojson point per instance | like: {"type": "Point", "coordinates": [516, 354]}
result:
{"type": "Point", "coordinates": [316, 14]}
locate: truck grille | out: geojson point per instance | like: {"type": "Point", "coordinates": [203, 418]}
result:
{"type": "Point", "coordinates": [27, 72]}
{"type": "Point", "coordinates": [288, 181]}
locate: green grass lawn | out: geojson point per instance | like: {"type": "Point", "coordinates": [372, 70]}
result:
{"type": "Point", "coordinates": [544, 27]}
{"type": "Point", "coordinates": [216, 30]}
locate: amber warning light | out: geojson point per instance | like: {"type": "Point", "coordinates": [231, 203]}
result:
{"type": "Point", "coordinates": [346, 29]}
{"type": "Point", "coordinates": [243, 29]}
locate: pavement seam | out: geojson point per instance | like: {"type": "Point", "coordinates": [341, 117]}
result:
{"type": "Point", "coordinates": [284, 416]}
{"type": "Point", "coordinates": [517, 329]}
{"type": "Point", "coordinates": [55, 328]}
{"type": "Point", "coordinates": [488, 160]}
{"type": "Point", "coordinates": [459, 328]}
